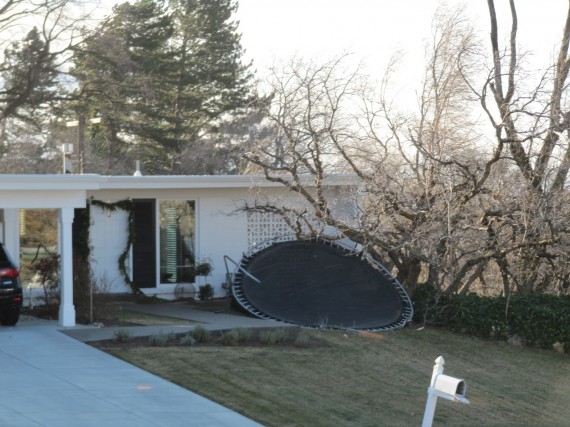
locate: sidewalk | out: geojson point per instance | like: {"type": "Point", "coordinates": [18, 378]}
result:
{"type": "Point", "coordinates": [209, 320]}
{"type": "Point", "coordinates": [52, 379]}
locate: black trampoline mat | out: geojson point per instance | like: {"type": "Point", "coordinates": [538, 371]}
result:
{"type": "Point", "coordinates": [310, 283]}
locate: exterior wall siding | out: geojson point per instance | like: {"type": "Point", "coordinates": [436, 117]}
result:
{"type": "Point", "coordinates": [108, 238]}
{"type": "Point", "coordinates": [220, 231]}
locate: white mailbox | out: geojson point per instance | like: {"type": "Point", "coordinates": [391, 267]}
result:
{"type": "Point", "coordinates": [441, 385]}
{"type": "Point", "coordinates": [450, 388]}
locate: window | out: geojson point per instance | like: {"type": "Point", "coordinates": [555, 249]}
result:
{"type": "Point", "coordinates": [38, 238]}
{"type": "Point", "coordinates": [177, 235]}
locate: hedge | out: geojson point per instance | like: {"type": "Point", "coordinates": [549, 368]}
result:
{"type": "Point", "coordinates": [541, 320]}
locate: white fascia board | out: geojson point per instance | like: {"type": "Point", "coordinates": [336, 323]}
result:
{"type": "Point", "coordinates": [50, 182]}
{"type": "Point", "coordinates": [210, 181]}
{"type": "Point", "coordinates": [99, 182]}
{"type": "Point", "coordinates": [42, 199]}
{"type": "Point", "coordinates": [177, 182]}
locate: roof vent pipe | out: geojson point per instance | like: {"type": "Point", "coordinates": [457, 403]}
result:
{"type": "Point", "coordinates": [138, 171]}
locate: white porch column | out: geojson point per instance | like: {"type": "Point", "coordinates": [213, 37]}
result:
{"type": "Point", "coordinates": [12, 233]}
{"type": "Point", "coordinates": [66, 307]}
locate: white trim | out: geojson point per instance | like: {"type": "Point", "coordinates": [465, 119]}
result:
{"type": "Point", "coordinates": [42, 199]}
{"type": "Point", "coordinates": [50, 182]}
{"type": "Point", "coordinates": [156, 245]}
{"type": "Point", "coordinates": [12, 233]}
{"type": "Point", "coordinates": [208, 181]}
{"type": "Point", "coordinates": [100, 182]}
{"type": "Point", "coordinates": [158, 242]}
{"type": "Point", "coordinates": [66, 307]}
{"type": "Point", "coordinates": [197, 233]}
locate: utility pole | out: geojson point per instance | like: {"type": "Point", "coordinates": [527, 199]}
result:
{"type": "Point", "coordinates": [78, 146]}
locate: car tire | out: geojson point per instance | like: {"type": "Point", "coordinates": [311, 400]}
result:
{"type": "Point", "coordinates": [10, 317]}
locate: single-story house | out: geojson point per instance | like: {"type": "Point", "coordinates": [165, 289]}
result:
{"type": "Point", "coordinates": [151, 230]}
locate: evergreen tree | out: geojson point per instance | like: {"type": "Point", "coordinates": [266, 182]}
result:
{"type": "Point", "coordinates": [119, 69]}
{"type": "Point", "coordinates": [28, 74]}
{"type": "Point", "coordinates": [163, 78]}
{"type": "Point", "coordinates": [33, 79]}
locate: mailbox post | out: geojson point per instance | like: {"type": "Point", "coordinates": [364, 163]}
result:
{"type": "Point", "coordinates": [442, 386]}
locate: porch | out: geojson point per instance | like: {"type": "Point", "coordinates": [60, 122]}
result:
{"type": "Point", "coordinates": [64, 193]}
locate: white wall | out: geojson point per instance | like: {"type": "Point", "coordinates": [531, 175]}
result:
{"type": "Point", "coordinates": [218, 232]}
{"type": "Point", "coordinates": [221, 229]}
{"type": "Point", "coordinates": [108, 237]}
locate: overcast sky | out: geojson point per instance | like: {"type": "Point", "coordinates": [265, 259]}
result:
{"type": "Point", "coordinates": [275, 30]}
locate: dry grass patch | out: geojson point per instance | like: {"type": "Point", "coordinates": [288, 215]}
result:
{"type": "Point", "coordinates": [118, 316]}
{"type": "Point", "coordinates": [353, 380]}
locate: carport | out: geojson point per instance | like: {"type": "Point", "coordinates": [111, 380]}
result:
{"type": "Point", "coordinates": [62, 192]}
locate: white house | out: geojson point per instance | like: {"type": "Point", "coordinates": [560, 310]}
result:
{"type": "Point", "coordinates": [171, 223]}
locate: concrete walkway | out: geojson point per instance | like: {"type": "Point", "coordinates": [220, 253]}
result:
{"type": "Point", "coordinates": [49, 378]}
{"type": "Point", "coordinates": [209, 320]}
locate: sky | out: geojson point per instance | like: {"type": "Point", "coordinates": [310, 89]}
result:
{"type": "Point", "coordinates": [274, 31]}
{"type": "Point", "coordinates": [372, 30]}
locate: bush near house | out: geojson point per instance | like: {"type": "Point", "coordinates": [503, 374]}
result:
{"type": "Point", "coordinates": [539, 320]}
{"type": "Point", "coordinates": [205, 292]}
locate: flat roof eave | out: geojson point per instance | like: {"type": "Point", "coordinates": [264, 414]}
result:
{"type": "Point", "coordinates": [102, 182]}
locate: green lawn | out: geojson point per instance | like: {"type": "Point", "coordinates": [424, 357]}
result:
{"type": "Point", "coordinates": [356, 380]}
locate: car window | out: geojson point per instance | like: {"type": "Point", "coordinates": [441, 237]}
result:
{"type": "Point", "coordinates": [5, 260]}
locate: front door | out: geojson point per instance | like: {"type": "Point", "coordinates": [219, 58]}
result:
{"type": "Point", "coordinates": [144, 246]}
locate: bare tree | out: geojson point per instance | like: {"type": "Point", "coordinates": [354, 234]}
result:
{"type": "Point", "coordinates": [530, 120]}
{"type": "Point", "coordinates": [443, 203]}
{"type": "Point", "coordinates": [411, 167]}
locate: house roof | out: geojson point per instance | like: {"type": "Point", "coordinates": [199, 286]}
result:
{"type": "Point", "coordinates": [207, 181]}
{"type": "Point", "coordinates": [100, 182]}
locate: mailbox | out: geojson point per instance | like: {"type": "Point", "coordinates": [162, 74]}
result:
{"type": "Point", "coordinates": [441, 385]}
{"type": "Point", "coordinates": [450, 388]}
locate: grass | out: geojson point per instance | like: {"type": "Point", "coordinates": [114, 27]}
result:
{"type": "Point", "coordinates": [125, 316]}
{"type": "Point", "coordinates": [370, 379]}
{"type": "Point", "coordinates": [122, 336]}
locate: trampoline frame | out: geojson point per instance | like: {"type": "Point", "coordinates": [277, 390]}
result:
{"type": "Point", "coordinates": [235, 280]}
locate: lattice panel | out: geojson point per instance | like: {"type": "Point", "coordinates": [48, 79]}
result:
{"type": "Point", "coordinates": [262, 226]}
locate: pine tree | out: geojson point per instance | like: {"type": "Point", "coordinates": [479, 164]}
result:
{"type": "Point", "coordinates": [28, 73]}
{"type": "Point", "coordinates": [164, 79]}
{"type": "Point", "coordinates": [119, 68]}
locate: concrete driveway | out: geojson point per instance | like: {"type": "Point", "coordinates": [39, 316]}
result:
{"type": "Point", "coordinates": [48, 378]}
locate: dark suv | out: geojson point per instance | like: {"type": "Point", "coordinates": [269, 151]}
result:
{"type": "Point", "coordinates": [10, 289]}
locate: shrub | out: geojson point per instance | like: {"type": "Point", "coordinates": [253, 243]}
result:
{"type": "Point", "coordinates": [302, 339]}
{"type": "Point", "coordinates": [187, 340]}
{"type": "Point", "coordinates": [46, 273]}
{"type": "Point", "coordinates": [541, 320]}
{"type": "Point", "coordinates": [236, 336]}
{"type": "Point", "coordinates": [203, 269]}
{"type": "Point", "coordinates": [161, 339]}
{"type": "Point", "coordinates": [243, 334]}
{"type": "Point", "coordinates": [273, 336]}
{"type": "Point", "coordinates": [122, 336]}
{"type": "Point", "coordinates": [200, 334]}
{"type": "Point", "coordinates": [205, 292]}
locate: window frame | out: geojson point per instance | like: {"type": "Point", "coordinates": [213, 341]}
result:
{"type": "Point", "coordinates": [159, 274]}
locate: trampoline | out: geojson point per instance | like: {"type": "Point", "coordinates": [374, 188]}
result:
{"type": "Point", "coordinates": [320, 283]}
